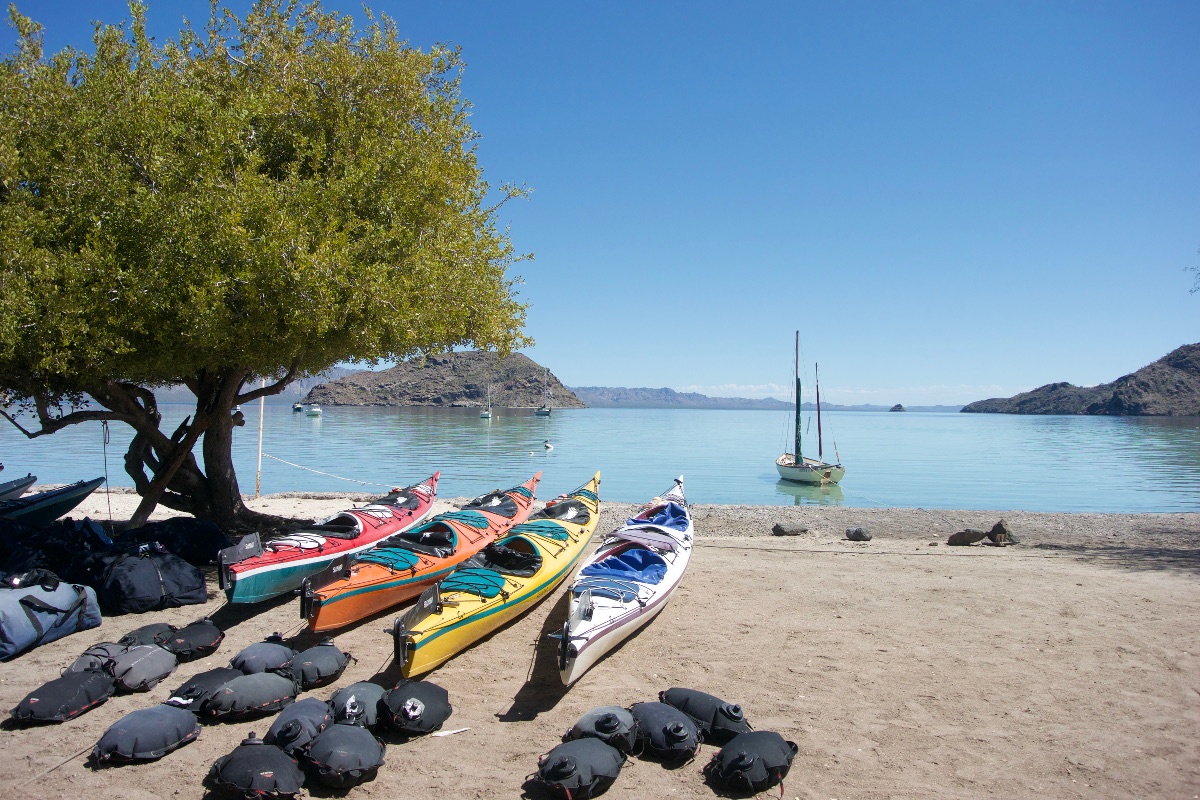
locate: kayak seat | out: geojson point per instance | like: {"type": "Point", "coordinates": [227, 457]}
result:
{"type": "Point", "coordinates": [631, 564]}
{"type": "Point", "coordinates": [567, 511]}
{"type": "Point", "coordinates": [342, 526]}
{"type": "Point", "coordinates": [495, 503]}
{"type": "Point", "coordinates": [514, 557]}
{"type": "Point", "coordinates": [395, 500]}
{"type": "Point", "coordinates": [485, 583]}
{"type": "Point", "coordinates": [434, 538]}
{"type": "Point", "coordinates": [391, 557]}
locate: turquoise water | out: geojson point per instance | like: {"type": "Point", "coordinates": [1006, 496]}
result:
{"type": "Point", "coordinates": [928, 460]}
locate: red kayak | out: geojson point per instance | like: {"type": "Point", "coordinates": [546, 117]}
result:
{"type": "Point", "coordinates": [253, 570]}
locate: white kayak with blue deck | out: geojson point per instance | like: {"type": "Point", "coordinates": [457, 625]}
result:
{"type": "Point", "coordinates": [626, 582]}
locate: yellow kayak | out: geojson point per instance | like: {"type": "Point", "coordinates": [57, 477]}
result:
{"type": "Point", "coordinates": [498, 584]}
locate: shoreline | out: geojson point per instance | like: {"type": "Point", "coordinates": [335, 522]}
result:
{"type": "Point", "coordinates": [1064, 666]}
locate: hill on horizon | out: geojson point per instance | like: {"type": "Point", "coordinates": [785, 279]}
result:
{"type": "Point", "coordinates": [451, 380]}
{"type": "Point", "coordinates": [1169, 387]}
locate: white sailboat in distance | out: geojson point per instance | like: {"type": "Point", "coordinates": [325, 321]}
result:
{"type": "Point", "coordinates": [794, 466]}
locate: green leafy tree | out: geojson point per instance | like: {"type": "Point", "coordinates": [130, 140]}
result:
{"type": "Point", "coordinates": [264, 198]}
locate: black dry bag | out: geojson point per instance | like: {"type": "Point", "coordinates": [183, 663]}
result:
{"type": "Point", "coordinates": [146, 734]}
{"type": "Point", "coordinates": [255, 769]}
{"type": "Point", "coordinates": [417, 707]}
{"type": "Point", "coordinates": [580, 768]}
{"type": "Point", "coordinates": [153, 633]}
{"type": "Point", "coordinates": [319, 665]}
{"type": "Point", "coordinates": [720, 721]}
{"type": "Point", "coordinates": [65, 698]}
{"type": "Point", "coordinates": [751, 762]}
{"type": "Point", "coordinates": [264, 656]}
{"type": "Point", "coordinates": [249, 696]}
{"type": "Point", "coordinates": [612, 725]}
{"type": "Point", "coordinates": [98, 657]}
{"type": "Point", "coordinates": [344, 755]}
{"type": "Point", "coordinates": [298, 724]}
{"type": "Point", "coordinates": [197, 640]}
{"type": "Point", "coordinates": [140, 668]}
{"type": "Point", "coordinates": [665, 732]}
{"type": "Point", "coordinates": [368, 699]}
{"type": "Point", "coordinates": [201, 686]}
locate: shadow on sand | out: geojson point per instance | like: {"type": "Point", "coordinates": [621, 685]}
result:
{"type": "Point", "coordinates": [542, 688]}
{"type": "Point", "coordinates": [1146, 558]}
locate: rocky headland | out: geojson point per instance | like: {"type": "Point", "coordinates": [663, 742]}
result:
{"type": "Point", "coordinates": [1170, 387]}
{"type": "Point", "coordinates": [452, 380]}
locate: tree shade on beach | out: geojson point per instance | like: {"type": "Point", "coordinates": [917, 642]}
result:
{"type": "Point", "coordinates": [260, 199]}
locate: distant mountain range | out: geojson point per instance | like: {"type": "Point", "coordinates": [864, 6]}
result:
{"type": "Point", "coordinates": [1170, 387]}
{"type": "Point", "coordinates": [621, 397]}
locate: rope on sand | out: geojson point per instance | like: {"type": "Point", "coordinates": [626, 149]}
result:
{"type": "Point", "coordinates": [326, 474]}
{"type": "Point", "coordinates": [66, 760]}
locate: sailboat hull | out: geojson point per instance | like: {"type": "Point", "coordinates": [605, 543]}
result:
{"type": "Point", "coordinates": [808, 470]}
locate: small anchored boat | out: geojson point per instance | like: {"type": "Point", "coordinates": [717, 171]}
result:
{"type": "Point", "coordinates": [626, 582]}
{"type": "Point", "coordinates": [798, 468]}
{"type": "Point", "coordinates": [401, 566]}
{"type": "Point", "coordinates": [498, 584]}
{"type": "Point", "coordinates": [544, 409]}
{"type": "Point", "coordinates": [254, 570]}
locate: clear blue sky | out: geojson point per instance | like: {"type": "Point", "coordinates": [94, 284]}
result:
{"type": "Point", "coordinates": [951, 200]}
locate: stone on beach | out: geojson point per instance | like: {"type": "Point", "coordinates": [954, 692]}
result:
{"type": "Point", "coordinates": [789, 529]}
{"type": "Point", "coordinates": [966, 537]}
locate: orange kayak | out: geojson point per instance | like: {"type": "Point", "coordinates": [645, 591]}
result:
{"type": "Point", "coordinates": [400, 567]}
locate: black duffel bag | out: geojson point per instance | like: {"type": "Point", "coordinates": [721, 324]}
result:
{"type": "Point", "coordinates": [145, 578]}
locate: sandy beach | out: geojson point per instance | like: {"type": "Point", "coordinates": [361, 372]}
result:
{"type": "Point", "coordinates": [901, 667]}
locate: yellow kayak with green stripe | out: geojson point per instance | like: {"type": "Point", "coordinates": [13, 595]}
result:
{"type": "Point", "coordinates": [499, 583]}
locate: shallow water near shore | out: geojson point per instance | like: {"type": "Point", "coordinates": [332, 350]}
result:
{"type": "Point", "coordinates": [926, 460]}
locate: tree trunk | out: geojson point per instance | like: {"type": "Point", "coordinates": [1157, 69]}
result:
{"type": "Point", "coordinates": [165, 475]}
{"type": "Point", "coordinates": [225, 496]}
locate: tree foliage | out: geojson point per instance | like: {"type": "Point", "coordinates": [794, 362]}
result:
{"type": "Point", "coordinates": [268, 196]}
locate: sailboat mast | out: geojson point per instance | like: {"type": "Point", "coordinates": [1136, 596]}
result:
{"type": "Point", "coordinates": [817, 378]}
{"type": "Point", "coordinates": [797, 443]}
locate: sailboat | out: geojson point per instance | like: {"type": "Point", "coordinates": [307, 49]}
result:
{"type": "Point", "coordinates": [544, 409]}
{"type": "Point", "coordinates": [487, 412]}
{"type": "Point", "coordinates": [796, 467]}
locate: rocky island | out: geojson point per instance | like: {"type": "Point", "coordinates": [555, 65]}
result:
{"type": "Point", "coordinates": [1170, 387]}
{"type": "Point", "coordinates": [449, 380]}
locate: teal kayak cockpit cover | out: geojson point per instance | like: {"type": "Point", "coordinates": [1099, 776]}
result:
{"type": "Point", "coordinates": [392, 557]}
{"type": "Point", "coordinates": [485, 583]}
{"type": "Point", "coordinates": [545, 528]}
